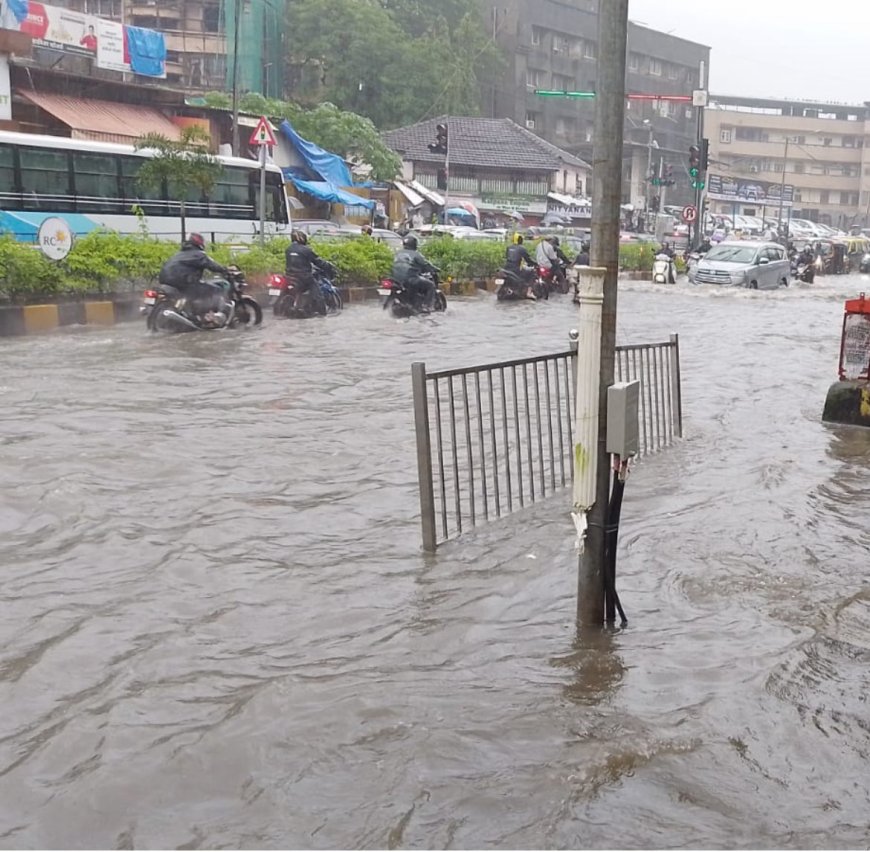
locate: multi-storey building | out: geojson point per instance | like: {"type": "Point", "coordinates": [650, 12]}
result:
{"type": "Point", "coordinates": [200, 41]}
{"type": "Point", "coordinates": [552, 45]}
{"type": "Point", "coordinates": [821, 149]}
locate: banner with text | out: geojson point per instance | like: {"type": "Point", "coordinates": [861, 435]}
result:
{"type": "Point", "coordinates": [79, 34]}
{"type": "Point", "coordinates": [742, 191]}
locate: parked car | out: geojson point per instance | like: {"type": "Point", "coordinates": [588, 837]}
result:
{"type": "Point", "coordinates": [755, 265]}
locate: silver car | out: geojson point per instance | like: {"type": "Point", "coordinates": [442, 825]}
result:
{"type": "Point", "coordinates": [756, 265]}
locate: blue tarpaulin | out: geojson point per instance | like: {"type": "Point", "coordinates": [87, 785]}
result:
{"type": "Point", "coordinates": [326, 191]}
{"type": "Point", "coordinates": [19, 9]}
{"type": "Point", "coordinates": [147, 52]}
{"type": "Point", "coordinates": [25, 226]}
{"type": "Point", "coordinates": [330, 167]}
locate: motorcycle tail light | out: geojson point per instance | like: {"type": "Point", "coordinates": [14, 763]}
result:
{"type": "Point", "coordinates": [278, 281]}
{"type": "Point", "coordinates": [150, 294]}
{"type": "Point", "coordinates": [387, 284]}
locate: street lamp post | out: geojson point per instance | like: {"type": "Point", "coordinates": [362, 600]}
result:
{"type": "Point", "coordinates": [237, 22]}
{"type": "Point", "coordinates": [782, 184]}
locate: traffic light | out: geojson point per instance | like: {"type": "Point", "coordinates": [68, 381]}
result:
{"type": "Point", "coordinates": [441, 179]}
{"type": "Point", "coordinates": [654, 203]}
{"type": "Point", "coordinates": [695, 167]}
{"type": "Point", "coordinates": [705, 154]}
{"type": "Point", "coordinates": [669, 175]}
{"type": "Point", "coordinates": [439, 146]}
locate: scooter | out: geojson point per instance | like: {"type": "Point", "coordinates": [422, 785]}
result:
{"type": "Point", "coordinates": [513, 288]}
{"type": "Point", "coordinates": [402, 303]}
{"type": "Point", "coordinates": [662, 270]}
{"type": "Point", "coordinates": [293, 304]}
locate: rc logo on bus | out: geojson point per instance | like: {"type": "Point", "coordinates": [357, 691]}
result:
{"type": "Point", "coordinates": [54, 238]}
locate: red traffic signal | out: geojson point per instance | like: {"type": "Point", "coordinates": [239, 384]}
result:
{"type": "Point", "coordinates": [439, 146]}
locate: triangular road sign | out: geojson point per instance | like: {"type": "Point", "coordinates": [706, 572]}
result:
{"type": "Point", "coordinates": [263, 134]}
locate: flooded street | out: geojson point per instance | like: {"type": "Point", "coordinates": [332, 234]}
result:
{"type": "Point", "coordinates": [219, 629]}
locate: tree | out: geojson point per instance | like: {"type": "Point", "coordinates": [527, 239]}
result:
{"type": "Point", "coordinates": [184, 166]}
{"type": "Point", "coordinates": [393, 61]}
{"type": "Point", "coordinates": [351, 136]}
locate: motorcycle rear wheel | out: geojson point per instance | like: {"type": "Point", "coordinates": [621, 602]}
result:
{"type": "Point", "coordinates": [156, 321]}
{"type": "Point", "coordinates": [440, 302]}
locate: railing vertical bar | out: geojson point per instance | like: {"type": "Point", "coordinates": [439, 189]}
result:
{"type": "Point", "coordinates": [537, 424]}
{"type": "Point", "coordinates": [569, 400]}
{"type": "Point", "coordinates": [557, 379]}
{"type": "Point", "coordinates": [424, 456]}
{"type": "Point", "coordinates": [457, 497]}
{"type": "Point", "coordinates": [482, 447]}
{"type": "Point", "coordinates": [495, 472]}
{"type": "Point", "coordinates": [469, 449]}
{"type": "Point", "coordinates": [549, 403]}
{"type": "Point", "coordinates": [638, 375]}
{"type": "Point", "coordinates": [676, 388]}
{"type": "Point", "coordinates": [441, 477]}
{"type": "Point", "coordinates": [654, 364]}
{"type": "Point", "coordinates": [666, 390]}
{"type": "Point", "coordinates": [649, 391]}
{"type": "Point", "coordinates": [518, 436]}
{"type": "Point", "coordinates": [507, 446]}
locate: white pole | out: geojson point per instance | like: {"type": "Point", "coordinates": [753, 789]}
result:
{"type": "Point", "coordinates": [590, 296]}
{"type": "Point", "coordinates": [262, 195]}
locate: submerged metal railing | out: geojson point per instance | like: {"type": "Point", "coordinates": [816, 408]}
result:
{"type": "Point", "coordinates": [494, 438]}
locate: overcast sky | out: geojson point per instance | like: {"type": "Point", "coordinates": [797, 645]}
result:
{"type": "Point", "coordinates": [777, 48]}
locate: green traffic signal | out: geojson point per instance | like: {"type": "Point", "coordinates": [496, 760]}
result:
{"type": "Point", "coordinates": [693, 172]}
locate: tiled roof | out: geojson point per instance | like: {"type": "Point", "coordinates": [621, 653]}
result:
{"type": "Point", "coordinates": [492, 142]}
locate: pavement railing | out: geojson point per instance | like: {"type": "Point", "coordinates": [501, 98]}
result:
{"type": "Point", "coordinates": [495, 438]}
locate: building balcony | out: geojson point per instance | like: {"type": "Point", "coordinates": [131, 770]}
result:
{"type": "Point", "coordinates": [776, 151]}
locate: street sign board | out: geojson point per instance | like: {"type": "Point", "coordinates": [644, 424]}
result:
{"type": "Point", "coordinates": [700, 98]}
{"type": "Point", "coordinates": [263, 134]}
{"type": "Point", "coordinates": [690, 213]}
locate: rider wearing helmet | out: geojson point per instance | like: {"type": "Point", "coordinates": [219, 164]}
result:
{"type": "Point", "coordinates": [519, 263]}
{"type": "Point", "coordinates": [413, 271]}
{"type": "Point", "coordinates": [300, 262]}
{"type": "Point", "coordinates": [184, 269]}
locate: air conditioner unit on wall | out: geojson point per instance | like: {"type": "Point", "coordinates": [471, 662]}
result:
{"type": "Point", "coordinates": [753, 169]}
{"type": "Point", "coordinates": [530, 123]}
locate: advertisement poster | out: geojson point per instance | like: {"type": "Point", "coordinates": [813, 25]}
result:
{"type": "Point", "coordinates": [61, 29]}
{"type": "Point", "coordinates": [112, 51]}
{"type": "Point", "coordinates": [112, 46]}
{"type": "Point", "coordinates": [742, 191]}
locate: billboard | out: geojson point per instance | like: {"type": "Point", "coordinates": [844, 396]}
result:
{"type": "Point", "coordinates": [111, 45]}
{"type": "Point", "coordinates": [743, 191]}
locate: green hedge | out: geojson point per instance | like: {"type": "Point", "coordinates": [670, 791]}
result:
{"type": "Point", "coordinates": [106, 262]}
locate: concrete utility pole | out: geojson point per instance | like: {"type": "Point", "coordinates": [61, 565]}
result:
{"type": "Point", "coordinates": [237, 23]}
{"type": "Point", "coordinates": [606, 199]}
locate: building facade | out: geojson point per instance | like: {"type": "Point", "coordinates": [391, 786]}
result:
{"type": "Point", "coordinates": [200, 41]}
{"type": "Point", "coordinates": [497, 166]}
{"type": "Point", "coordinates": [552, 45]}
{"type": "Point", "coordinates": [827, 160]}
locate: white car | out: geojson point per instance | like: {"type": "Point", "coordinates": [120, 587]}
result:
{"type": "Point", "coordinates": [754, 265]}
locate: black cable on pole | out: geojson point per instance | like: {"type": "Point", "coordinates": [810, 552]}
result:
{"type": "Point", "coordinates": [612, 604]}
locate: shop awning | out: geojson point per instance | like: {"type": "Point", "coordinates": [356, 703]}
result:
{"type": "Point", "coordinates": [25, 226]}
{"type": "Point", "coordinates": [328, 192]}
{"type": "Point", "coordinates": [104, 121]}
{"type": "Point", "coordinates": [568, 200]}
{"type": "Point", "coordinates": [412, 197]}
{"type": "Point", "coordinates": [430, 195]}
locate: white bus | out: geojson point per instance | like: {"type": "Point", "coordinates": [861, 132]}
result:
{"type": "Point", "coordinates": [94, 184]}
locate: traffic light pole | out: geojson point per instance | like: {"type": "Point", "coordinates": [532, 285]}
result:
{"type": "Point", "coordinates": [606, 199]}
{"type": "Point", "coordinates": [447, 172]}
{"type": "Point", "coordinates": [699, 190]}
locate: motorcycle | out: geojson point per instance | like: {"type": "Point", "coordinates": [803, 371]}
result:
{"type": "Point", "coordinates": [662, 270]}
{"type": "Point", "coordinates": [864, 264]}
{"type": "Point", "coordinates": [403, 303]}
{"type": "Point", "coordinates": [553, 279]}
{"type": "Point", "coordinates": [166, 308]}
{"type": "Point", "coordinates": [803, 271]}
{"type": "Point", "coordinates": [512, 287]}
{"type": "Point", "coordinates": [292, 303]}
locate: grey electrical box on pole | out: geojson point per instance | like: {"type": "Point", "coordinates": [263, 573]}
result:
{"type": "Point", "coordinates": [623, 406]}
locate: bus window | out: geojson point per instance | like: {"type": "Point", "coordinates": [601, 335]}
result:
{"type": "Point", "coordinates": [151, 200]}
{"type": "Point", "coordinates": [9, 196]}
{"type": "Point", "coordinates": [45, 180]}
{"type": "Point", "coordinates": [275, 209]}
{"type": "Point", "coordinates": [96, 183]}
{"type": "Point", "coordinates": [231, 198]}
